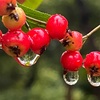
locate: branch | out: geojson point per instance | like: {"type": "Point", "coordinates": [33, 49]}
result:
{"type": "Point", "coordinates": [90, 33]}
{"type": "Point", "coordinates": [36, 20]}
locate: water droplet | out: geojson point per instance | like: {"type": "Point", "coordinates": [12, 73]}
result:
{"type": "Point", "coordinates": [94, 80]}
{"type": "Point", "coordinates": [29, 59]}
{"type": "Point", "coordinates": [71, 77]}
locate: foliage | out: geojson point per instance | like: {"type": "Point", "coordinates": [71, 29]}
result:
{"type": "Point", "coordinates": [33, 4]}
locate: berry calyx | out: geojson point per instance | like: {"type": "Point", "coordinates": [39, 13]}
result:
{"type": "Point", "coordinates": [72, 41]}
{"type": "Point", "coordinates": [15, 20]}
{"type": "Point", "coordinates": [92, 63]}
{"type": "Point", "coordinates": [71, 60]}
{"type": "Point", "coordinates": [57, 26]}
{"type": "Point", "coordinates": [6, 6]}
{"type": "Point", "coordinates": [40, 39]}
{"type": "Point", "coordinates": [15, 43]}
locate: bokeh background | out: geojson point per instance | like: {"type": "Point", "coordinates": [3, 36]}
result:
{"type": "Point", "coordinates": [44, 81]}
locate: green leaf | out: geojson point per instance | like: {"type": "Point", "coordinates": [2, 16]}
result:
{"type": "Point", "coordinates": [33, 4]}
{"type": "Point", "coordinates": [35, 18]}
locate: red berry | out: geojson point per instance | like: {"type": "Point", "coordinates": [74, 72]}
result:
{"type": "Point", "coordinates": [15, 20]}
{"type": "Point", "coordinates": [6, 6]}
{"type": "Point", "coordinates": [40, 39]}
{"type": "Point", "coordinates": [57, 26]}
{"type": "Point", "coordinates": [92, 63]}
{"type": "Point", "coordinates": [72, 41]}
{"type": "Point", "coordinates": [71, 60]}
{"type": "Point", "coordinates": [15, 43]}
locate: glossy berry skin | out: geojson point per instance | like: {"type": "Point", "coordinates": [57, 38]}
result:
{"type": "Point", "coordinates": [71, 60]}
{"type": "Point", "coordinates": [72, 41]}
{"type": "Point", "coordinates": [15, 20]}
{"type": "Point", "coordinates": [6, 6]}
{"type": "Point", "coordinates": [40, 39]}
{"type": "Point", "coordinates": [15, 43]}
{"type": "Point", "coordinates": [92, 63]}
{"type": "Point", "coordinates": [57, 26]}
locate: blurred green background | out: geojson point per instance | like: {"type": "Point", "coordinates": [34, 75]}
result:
{"type": "Point", "coordinates": [44, 81]}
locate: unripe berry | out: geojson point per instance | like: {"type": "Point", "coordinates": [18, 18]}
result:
{"type": "Point", "coordinates": [15, 43]}
{"type": "Point", "coordinates": [57, 26]}
{"type": "Point", "coordinates": [71, 60]}
{"type": "Point", "coordinates": [15, 20]}
{"type": "Point", "coordinates": [6, 6]}
{"type": "Point", "coordinates": [40, 39]}
{"type": "Point", "coordinates": [92, 63]}
{"type": "Point", "coordinates": [72, 41]}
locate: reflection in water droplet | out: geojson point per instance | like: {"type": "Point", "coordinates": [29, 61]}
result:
{"type": "Point", "coordinates": [71, 77]}
{"type": "Point", "coordinates": [94, 80]}
{"type": "Point", "coordinates": [29, 59]}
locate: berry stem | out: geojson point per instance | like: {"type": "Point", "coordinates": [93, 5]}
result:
{"type": "Point", "coordinates": [85, 37]}
{"type": "Point", "coordinates": [27, 25]}
{"type": "Point", "coordinates": [36, 20]}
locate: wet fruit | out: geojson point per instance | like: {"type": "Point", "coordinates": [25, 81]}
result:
{"type": "Point", "coordinates": [57, 26]}
{"type": "Point", "coordinates": [15, 20]}
{"type": "Point", "coordinates": [72, 41]}
{"type": "Point", "coordinates": [92, 63]}
{"type": "Point", "coordinates": [6, 6]}
{"type": "Point", "coordinates": [15, 43]}
{"type": "Point", "coordinates": [40, 39]}
{"type": "Point", "coordinates": [71, 60]}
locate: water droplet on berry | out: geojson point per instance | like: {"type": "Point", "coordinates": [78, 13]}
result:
{"type": "Point", "coordinates": [71, 77]}
{"type": "Point", "coordinates": [29, 59]}
{"type": "Point", "coordinates": [94, 80]}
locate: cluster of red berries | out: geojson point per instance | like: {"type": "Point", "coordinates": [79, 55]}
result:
{"type": "Point", "coordinates": [71, 59]}
{"type": "Point", "coordinates": [17, 43]}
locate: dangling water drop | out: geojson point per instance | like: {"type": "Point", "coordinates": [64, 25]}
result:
{"type": "Point", "coordinates": [29, 59]}
{"type": "Point", "coordinates": [94, 80]}
{"type": "Point", "coordinates": [71, 77]}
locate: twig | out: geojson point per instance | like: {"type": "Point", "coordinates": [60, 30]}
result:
{"type": "Point", "coordinates": [36, 20]}
{"type": "Point", "coordinates": [90, 33]}
{"type": "Point", "coordinates": [27, 26]}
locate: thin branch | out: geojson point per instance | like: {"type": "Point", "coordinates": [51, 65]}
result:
{"type": "Point", "coordinates": [36, 20]}
{"type": "Point", "coordinates": [90, 33]}
{"type": "Point", "coordinates": [27, 26]}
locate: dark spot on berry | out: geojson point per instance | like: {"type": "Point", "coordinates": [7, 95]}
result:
{"type": "Point", "coordinates": [18, 37]}
{"type": "Point", "coordinates": [10, 7]}
{"type": "Point", "coordinates": [66, 41]}
{"type": "Point", "coordinates": [14, 16]}
{"type": "Point", "coordinates": [15, 50]}
{"type": "Point", "coordinates": [72, 42]}
{"type": "Point", "coordinates": [42, 49]}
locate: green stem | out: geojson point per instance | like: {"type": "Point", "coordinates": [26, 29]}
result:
{"type": "Point", "coordinates": [90, 33]}
{"type": "Point", "coordinates": [27, 26]}
{"type": "Point", "coordinates": [36, 20]}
